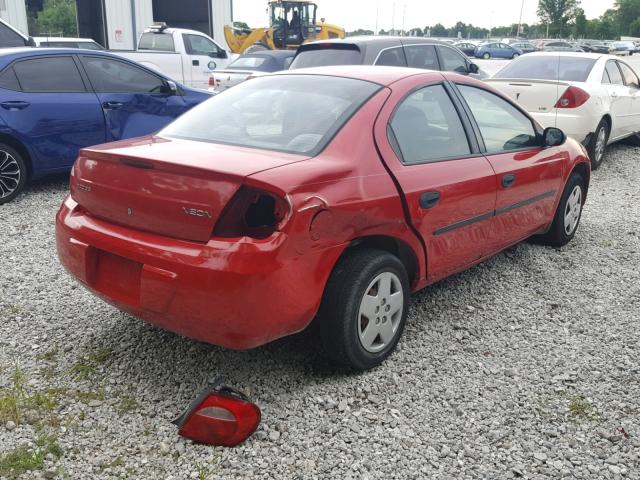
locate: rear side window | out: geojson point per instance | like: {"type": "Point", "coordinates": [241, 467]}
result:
{"type": "Point", "coordinates": [287, 113]}
{"type": "Point", "coordinates": [49, 74]}
{"type": "Point", "coordinates": [161, 42]}
{"type": "Point", "coordinates": [613, 72]}
{"type": "Point", "coordinates": [630, 78]}
{"type": "Point", "coordinates": [502, 126]}
{"type": "Point", "coordinates": [112, 76]}
{"type": "Point", "coordinates": [392, 57]}
{"type": "Point", "coordinates": [426, 127]}
{"type": "Point", "coordinates": [571, 69]}
{"type": "Point", "coordinates": [422, 56]}
{"type": "Point", "coordinates": [9, 80]}
{"type": "Point", "coordinates": [337, 54]}
{"type": "Point", "coordinates": [452, 61]}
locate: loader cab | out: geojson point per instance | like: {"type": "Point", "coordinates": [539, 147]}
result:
{"type": "Point", "coordinates": [292, 22]}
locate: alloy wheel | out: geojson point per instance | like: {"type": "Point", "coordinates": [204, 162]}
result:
{"type": "Point", "coordinates": [572, 210]}
{"type": "Point", "coordinates": [601, 144]}
{"type": "Point", "coordinates": [9, 174]}
{"type": "Point", "coordinates": [380, 312]}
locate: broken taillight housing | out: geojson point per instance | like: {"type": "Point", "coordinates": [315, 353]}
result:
{"type": "Point", "coordinates": [220, 417]}
{"type": "Point", "coordinates": [252, 213]}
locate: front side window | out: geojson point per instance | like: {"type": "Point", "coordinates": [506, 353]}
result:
{"type": "Point", "coordinates": [288, 113]}
{"type": "Point", "coordinates": [422, 56]}
{"type": "Point", "coordinates": [503, 127]}
{"type": "Point", "coordinates": [613, 72]}
{"type": "Point", "coordinates": [160, 42]}
{"type": "Point", "coordinates": [199, 45]}
{"type": "Point", "coordinates": [426, 127]}
{"type": "Point", "coordinates": [49, 74]}
{"type": "Point", "coordinates": [630, 77]}
{"type": "Point", "coordinates": [9, 38]}
{"type": "Point", "coordinates": [392, 57]}
{"type": "Point", "coordinates": [452, 61]}
{"type": "Point", "coordinates": [113, 76]}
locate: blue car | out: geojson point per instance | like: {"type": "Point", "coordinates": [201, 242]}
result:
{"type": "Point", "coordinates": [55, 101]}
{"type": "Point", "coordinates": [497, 50]}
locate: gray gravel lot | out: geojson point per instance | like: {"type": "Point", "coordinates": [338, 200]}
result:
{"type": "Point", "coordinates": [525, 366]}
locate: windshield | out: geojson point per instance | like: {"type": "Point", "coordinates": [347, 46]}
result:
{"type": "Point", "coordinates": [571, 69]}
{"type": "Point", "coordinates": [289, 113]}
{"type": "Point", "coordinates": [336, 54]}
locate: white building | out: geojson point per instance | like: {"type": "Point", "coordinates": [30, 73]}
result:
{"type": "Point", "coordinates": [14, 12]}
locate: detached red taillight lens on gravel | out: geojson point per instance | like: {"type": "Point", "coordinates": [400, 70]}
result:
{"type": "Point", "coordinates": [252, 213]}
{"type": "Point", "coordinates": [220, 417]}
{"type": "Point", "coordinates": [573, 97]}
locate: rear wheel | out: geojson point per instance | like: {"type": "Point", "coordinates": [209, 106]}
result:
{"type": "Point", "coordinates": [486, 56]}
{"type": "Point", "coordinates": [13, 173]}
{"type": "Point", "coordinates": [515, 55]}
{"type": "Point", "coordinates": [598, 144]}
{"type": "Point", "coordinates": [364, 308]}
{"type": "Point", "coordinates": [567, 217]}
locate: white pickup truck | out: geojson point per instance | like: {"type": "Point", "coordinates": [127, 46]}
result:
{"type": "Point", "coordinates": [187, 56]}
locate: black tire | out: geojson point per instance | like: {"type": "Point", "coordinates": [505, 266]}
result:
{"type": "Point", "coordinates": [515, 55]}
{"type": "Point", "coordinates": [13, 173]}
{"type": "Point", "coordinates": [486, 56]}
{"type": "Point", "coordinates": [339, 319]}
{"type": "Point", "coordinates": [558, 236]}
{"type": "Point", "coordinates": [595, 157]}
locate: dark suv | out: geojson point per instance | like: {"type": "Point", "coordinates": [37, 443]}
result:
{"type": "Point", "coordinates": [413, 52]}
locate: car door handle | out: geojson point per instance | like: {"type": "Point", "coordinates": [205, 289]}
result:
{"type": "Point", "coordinates": [195, 63]}
{"type": "Point", "coordinates": [112, 105]}
{"type": "Point", "coordinates": [15, 105]}
{"type": "Point", "coordinates": [508, 180]}
{"type": "Point", "coordinates": [429, 199]}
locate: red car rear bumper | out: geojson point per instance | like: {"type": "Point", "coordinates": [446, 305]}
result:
{"type": "Point", "coordinates": [238, 294]}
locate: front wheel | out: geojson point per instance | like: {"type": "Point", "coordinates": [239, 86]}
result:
{"type": "Point", "coordinates": [364, 308]}
{"type": "Point", "coordinates": [486, 56]}
{"type": "Point", "coordinates": [13, 173]}
{"type": "Point", "coordinates": [567, 217]}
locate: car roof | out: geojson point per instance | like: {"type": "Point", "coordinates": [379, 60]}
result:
{"type": "Point", "coordinates": [371, 73]}
{"type": "Point", "coordinates": [380, 40]}
{"type": "Point", "coordinates": [63, 39]}
{"type": "Point", "coordinates": [271, 53]}
{"type": "Point", "coordinates": [595, 56]}
{"type": "Point", "coordinates": [8, 55]}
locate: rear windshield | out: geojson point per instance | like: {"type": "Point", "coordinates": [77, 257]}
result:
{"type": "Point", "coordinates": [162, 42]}
{"type": "Point", "coordinates": [324, 56]}
{"type": "Point", "coordinates": [248, 63]}
{"type": "Point", "coordinates": [571, 69]}
{"type": "Point", "coordinates": [288, 113]}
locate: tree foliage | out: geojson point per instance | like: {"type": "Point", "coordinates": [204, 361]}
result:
{"type": "Point", "coordinates": [557, 14]}
{"type": "Point", "coordinates": [57, 17]}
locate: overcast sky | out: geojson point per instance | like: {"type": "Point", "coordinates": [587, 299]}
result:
{"type": "Point", "coordinates": [353, 14]}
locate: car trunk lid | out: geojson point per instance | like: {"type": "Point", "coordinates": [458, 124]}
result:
{"type": "Point", "coordinates": [170, 187]}
{"type": "Point", "coordinates": [535, 96]}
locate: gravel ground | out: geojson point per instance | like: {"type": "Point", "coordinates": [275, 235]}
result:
{"type": "Point", "coordinates": [525, 366]}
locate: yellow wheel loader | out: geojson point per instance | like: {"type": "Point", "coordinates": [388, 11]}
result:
{"type": "Point", "coordinates": [291, 23]}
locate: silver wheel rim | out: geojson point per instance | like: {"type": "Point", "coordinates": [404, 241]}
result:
{"type": "Point", "coordinates": [572, 210]}
{"type": "Point", "coordinates": [601, 143]}
{"type": "Point", "coordinates": [380, 312]}
{"type": "Point", "coordinates": [9, 174]}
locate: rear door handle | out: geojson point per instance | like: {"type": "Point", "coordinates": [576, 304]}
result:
{"type": "Point", "coordinates": [429, 199]}
{"type": "Point", "coordinates": [508, 180]}
{"type": "Point", "coordinates": [112, 105]}
{"type": "Point", "coordinates": [14, 105]}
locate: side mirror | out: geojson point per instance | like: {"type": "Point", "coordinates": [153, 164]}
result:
{"type": "Point", "coordinates": [473, 68]}
{"type": "Point", "coordinates": [172, 87]}
{"type": "Point", "coordinates": [30, 42]}
{"type": "Point", "coordinates": [553, 137]}
{"type": "Point", "coordinates": [219, 54]}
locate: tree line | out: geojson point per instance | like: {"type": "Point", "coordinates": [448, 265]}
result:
{"type": "Point", "coordinates": [558, 18]}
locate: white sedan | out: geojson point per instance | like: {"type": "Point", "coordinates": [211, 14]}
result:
{"type": "Point", "coordinates": [593, 98]}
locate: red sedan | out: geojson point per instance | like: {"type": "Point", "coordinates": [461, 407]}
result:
{"type": "Point", "coordinates": [326, 194]}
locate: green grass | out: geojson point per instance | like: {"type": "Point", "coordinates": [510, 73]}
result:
{"type": "Point", "coordinates": [87, 365]}
{"type": "Point", "coordinates": [127, 404]}
{"type": "Point", "coordinates": [22, 459]}
{"type": "Point", "coordinates": [86, 397]}
{"type": "Point", "coordinates": [579, 407]}
{"type": "Point", "coordinates": [11, 398]}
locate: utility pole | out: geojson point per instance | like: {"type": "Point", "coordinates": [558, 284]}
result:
{"type": "Point", "coordinates": [404, 15]}
{"type": "Point", "coordinates": [393, 19]}
{"type": "Point", "coordinates": [377, 12]}
{"type": "Point", "coordinates": [520, 21]}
